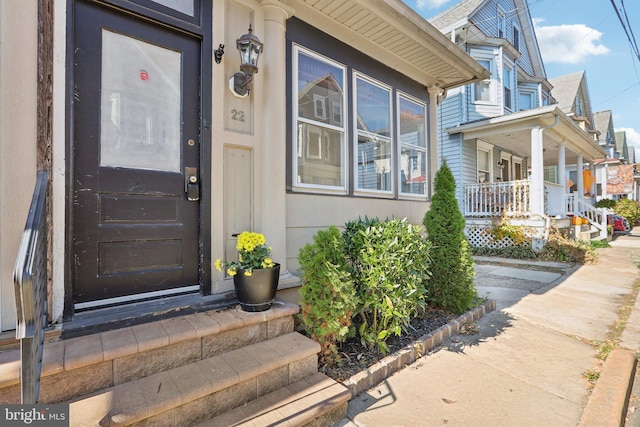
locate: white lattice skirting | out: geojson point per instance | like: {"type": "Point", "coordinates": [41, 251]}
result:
{"type": "Point", "coordinates": [479, 233]}
{"type": "Point", "coordinates": [481, 237]}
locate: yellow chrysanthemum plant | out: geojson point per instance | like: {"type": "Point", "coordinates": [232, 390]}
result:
{"type": "Point", "coordinates": [253, 254]}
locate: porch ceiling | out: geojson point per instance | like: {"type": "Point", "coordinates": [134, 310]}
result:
{"type": "Point", "coordinates": [392, 33]}
{"type": "Point", "coordinates": [513, 133]}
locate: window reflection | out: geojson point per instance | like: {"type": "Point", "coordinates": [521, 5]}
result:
{"type": "Point", "coordinates": [373, 106]}
{"type": "Point", "coordinates": [320, 136]}
{"type": "Point", "coordinates": [413, 142]}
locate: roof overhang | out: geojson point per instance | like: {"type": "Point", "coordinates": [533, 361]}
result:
{"type": "Point", "coordinates": [512, 133]}
{"type": "Point", "coordinates": [394, 34]}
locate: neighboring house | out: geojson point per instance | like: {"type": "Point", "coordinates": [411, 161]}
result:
{"type": "Point", "coordinates": [505, 140]}
{"type": "Point", "coordinates": [622, 149]}
{"type": "Point", "coordinates": [603, 123]}
{"type": "Point", "coordinates": [155, 164]}
{"type": "Point", "coordinates": [571, 94]}
{"type": "Point", "coordinates": [620, 158]}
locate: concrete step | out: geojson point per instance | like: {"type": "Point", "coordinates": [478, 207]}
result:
{"type": "Point", "coordinates": [315, 401]}
{"type": "Point", "coordinates": [78, 366]}
{"type": "Point", "coordinates": [190, 394]}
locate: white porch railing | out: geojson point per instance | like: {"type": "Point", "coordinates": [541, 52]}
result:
{"type": "Point", "coordinates": [496, 198]}
{"type": "Point", "coordinates": [579, 206]}
{"type": "Point", "coordinates": [554, 199]}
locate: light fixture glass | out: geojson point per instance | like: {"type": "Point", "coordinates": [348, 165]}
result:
{"type": "Point", "coordinates": [250, 47]}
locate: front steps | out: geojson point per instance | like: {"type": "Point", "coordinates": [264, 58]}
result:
{"type": "Point", "coordinates": [187, 370]}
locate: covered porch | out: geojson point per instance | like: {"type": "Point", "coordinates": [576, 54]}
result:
{"type": "Point", "coordinates": [548, 145]}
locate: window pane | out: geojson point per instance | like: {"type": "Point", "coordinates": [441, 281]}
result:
{"type": "Point", "coordinates": [320, 90]}
{"type": "Point", "coordinates": [184, 6]}
{"type": "Point", "coordinates": [373, 108]}
{"type": "Point", "coordinates": [483, 160]}
{"type": "Point", "coordinates": [506, 75]}
{"type": "Point", "coordinates": [483, 91]}
{"type": "Point", "coordinates": [412, 123]}
{"type": "Point", "coordinates": [374, 163]}
{"type": "Point", "coordinates": [319, 155]}
{"type": "Point", "coordinates": [413, 171]}
{"type": "Point", "coordinates": [140, 117]}
{"type": "Point", "coordinates": [525, 101]}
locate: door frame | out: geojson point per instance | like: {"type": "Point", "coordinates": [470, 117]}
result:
{"type": "Point", "coordinates": [203, 31]}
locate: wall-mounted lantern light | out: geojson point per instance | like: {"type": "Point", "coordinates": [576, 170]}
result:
{"type": "Point", "coordinates": [250, 48]}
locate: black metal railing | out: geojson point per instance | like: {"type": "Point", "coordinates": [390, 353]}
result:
{"type": "Point", "coordinates": [30, 283]}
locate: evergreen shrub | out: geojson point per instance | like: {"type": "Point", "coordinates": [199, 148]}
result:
{"type": "Point", "coordinates": [451, 285]}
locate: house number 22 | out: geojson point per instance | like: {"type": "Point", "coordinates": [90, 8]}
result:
{"type": "Point", "coordinates": [237, 115]}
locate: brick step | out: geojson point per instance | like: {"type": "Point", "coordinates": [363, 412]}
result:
{"type": "Point", "coordinates": [78, 366]}
{"type": "Point", "coordinates": [201, 390]}
{"type": "Point", "coordinates": [315, 401]}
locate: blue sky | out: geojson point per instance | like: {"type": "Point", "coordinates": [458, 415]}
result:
{"type": "Point", "coordinates": [576, 35]}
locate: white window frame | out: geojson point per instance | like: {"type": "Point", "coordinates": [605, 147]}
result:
{"type": "Point", "coordinates": [391, 140]}
{"type": "Point", "coordinates": [515, 160]}
{"type": "Point", "coordinates": [508, 157]}
{"type": "Point", "coordinates": [319, 107]}
{"type": "Point", "coordinates": [486, 147]}
{"type": "Point", "coordinates": [480, 55]}
{"type": "Point", "coordinates": [527, 92]}
{"type": "Point", "coordinates": [508, 86]}
{"type": "Point", "coordinates": [400, 145]}
{"type": "Point", "coordinates": [340, 189]}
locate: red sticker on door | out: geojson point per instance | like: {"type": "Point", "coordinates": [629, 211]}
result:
{"type": "Point", "coordinates": [144, 76]}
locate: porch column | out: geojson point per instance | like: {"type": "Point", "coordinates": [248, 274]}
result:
{"type": "Point", "coordinates": [434, 155]}
{"type": "Point", "coordinates": [580, 168]}
{"type": "Point", "coordinates": [562, 166]}
{"type": "Point", "coordinates": [594, 186]}
{"type": "Point", "coordinates": [274, 154]}
{"type": "Point", "coordinates": [537, 172]}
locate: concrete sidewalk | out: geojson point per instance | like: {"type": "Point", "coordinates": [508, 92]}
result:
{"type": "Point", "coordinates": [526, 364]}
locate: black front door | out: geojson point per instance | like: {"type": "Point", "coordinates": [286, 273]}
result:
{"type": "Point", "coordinates": [136, 144]}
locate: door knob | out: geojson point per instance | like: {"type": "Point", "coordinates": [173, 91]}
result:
{"type": "Point", "coordinates": [191, 184]}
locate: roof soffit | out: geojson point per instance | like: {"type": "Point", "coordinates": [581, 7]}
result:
{"type": "Point", "coordinates": [392, 33]}
{"type": "Point", "coordinates": [505, 130]}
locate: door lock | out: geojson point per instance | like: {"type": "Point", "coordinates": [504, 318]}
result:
{"type": "Point", "coordinates": [191, 184]}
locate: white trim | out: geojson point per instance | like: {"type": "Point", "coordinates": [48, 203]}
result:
{"type": "Point", "coordinates": [488, 148]}
{"type": "Point", "coordinates": [357, 75]}
{"type": "Point", "coordinates": [344, 174]}
{"type": "Point", "coordinates": [399, 96]}
{"type": "Point", "coordinates": [490, 56]}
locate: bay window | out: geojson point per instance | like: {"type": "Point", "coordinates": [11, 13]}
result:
{"type": "Point", "coordinates": [367, 140]}
{"type": "Point", "coordinates": [320, 150]}
{"type": "Point", "coordinates": [413, 146]}
{"type": "Point", "coordinates": [373, 124]}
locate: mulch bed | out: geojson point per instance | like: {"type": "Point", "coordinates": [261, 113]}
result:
{"type": "Point", "coordinates": [355, 357]}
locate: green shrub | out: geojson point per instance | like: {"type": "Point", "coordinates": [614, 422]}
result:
{"type": "Point", "coordinates": [524, 251]}
{"type": "Point", "coordinates": [561, 248]}
{"type": "Point", "coordinates": [328, 294]}
{"type": "Point", "coordinates": [629, 209]}
{"type": "Point", "coordinates": [451, 285]}
{"type": "Point", "coordinates": [606, 203]}
{"type": "Point", "coordinates": [390, 266]}
{"type": "Point", "coordinates": [600, 244]}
